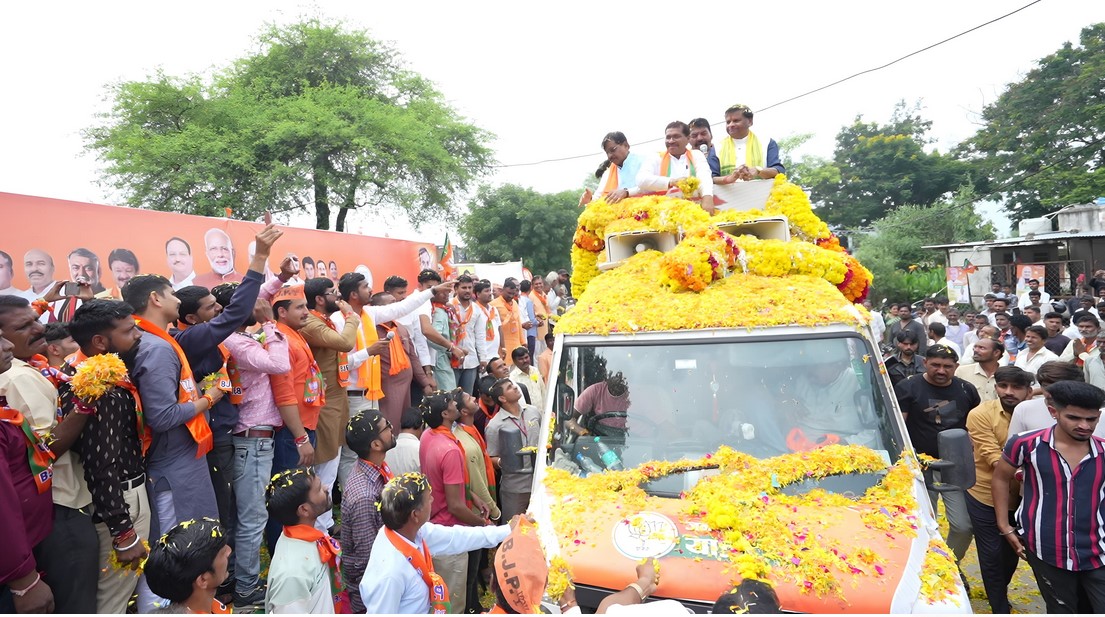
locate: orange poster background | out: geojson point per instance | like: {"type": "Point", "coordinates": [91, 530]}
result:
{"type": "Point", "coordinates": [58, 227]}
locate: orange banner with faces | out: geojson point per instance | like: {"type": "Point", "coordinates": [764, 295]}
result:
{"type": "Point", "coordinates": [46, 240]}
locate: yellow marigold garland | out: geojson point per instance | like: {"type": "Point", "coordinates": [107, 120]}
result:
{"type": "Point", "coordinates": [745, 507]}
{"type": "Point", "coordinates": [136, 568]}
{"type": "Point", "coordinates": [97, 375]}
{"type": "Point", "coordinates": [632, 298]}
{"type": "Point", "coordinates": [939, 573]}
{"type": "Point", "coordinates": [560, 578]}
{"type": "Point", "coordinates": [688, 186]}
{"type": "Point", "coordinates": [815, 250]}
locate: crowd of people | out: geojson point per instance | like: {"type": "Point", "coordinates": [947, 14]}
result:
{"type": "Point", "coordinates": [1024, 377]}
{"type": "Point", "coordinates": [234, 412]}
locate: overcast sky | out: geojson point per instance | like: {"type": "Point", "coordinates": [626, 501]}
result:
{"type": "Point", "coordinates": [548, 79]}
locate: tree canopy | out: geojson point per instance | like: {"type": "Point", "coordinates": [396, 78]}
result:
{"type": "Point", "coordinates": [896, 240]}
{"type": "Point", "coordinates": [1043, 141]}
{"type": "Point", "coordinates": [878, 167]}
{"type": "Point", "coordinates": [322, 116]}
{"type": "Point", "coordinates": [511, 222]}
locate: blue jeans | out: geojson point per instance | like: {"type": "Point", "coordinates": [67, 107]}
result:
{"type": "Point", "coordinates": [466, 378]}
{"type": "Point", "coordinates": [285, 456]}
{"type": "Point", "coordinates": [252, 460]}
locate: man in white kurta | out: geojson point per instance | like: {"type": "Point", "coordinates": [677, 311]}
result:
{"type": "Point", "coordinates": [391, 585]}
{"type": "Point", "coordinates": [660, 172]}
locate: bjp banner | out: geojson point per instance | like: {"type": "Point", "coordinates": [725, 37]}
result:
{"type": "Point", "coordinates": [47, 240]}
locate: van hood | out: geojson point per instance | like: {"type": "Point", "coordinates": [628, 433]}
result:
{"type": "Point", "coordinates": [823, 552]}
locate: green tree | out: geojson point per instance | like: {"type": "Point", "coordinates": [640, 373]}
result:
{"type": "Point", "coordinates": [895, 243]}
{"type": "Point", "coordinates": [1043, 140]}
{"type": "Point", "coordinates": [511, 222]}
{"type": "Point", "coordinates": [879, 167]}
{"type": "Point", "coordinates": [809, 170]}
{"type": "Point", "coordinates": [322, 116]}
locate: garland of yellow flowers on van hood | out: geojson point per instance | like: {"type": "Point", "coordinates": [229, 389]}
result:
{"type": "Point", "coordinates": [745, 507]}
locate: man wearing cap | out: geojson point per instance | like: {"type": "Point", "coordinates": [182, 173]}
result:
{"type": "Point", "coordinates": [299, 393]}
{"type": "Point", "coordinates": [743, 154]}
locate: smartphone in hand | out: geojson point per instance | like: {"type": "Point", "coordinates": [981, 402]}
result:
{"type": "Point", "coordinates": [70, 289]}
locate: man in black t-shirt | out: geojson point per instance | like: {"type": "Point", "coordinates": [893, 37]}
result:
{"type": "Point", "coordinates": [932, 402]}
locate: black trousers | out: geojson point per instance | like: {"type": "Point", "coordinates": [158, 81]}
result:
{"type": "Point", "coordinates": [996, 558]}
{"type": "Point", "coordinates": [1061, 589]}
{"type": "Point", "coordinates": [220, 463]}
{"type": "Point", "coordinates": [472, 599]}
{"type": "Point", "coordinates": [69, 559]}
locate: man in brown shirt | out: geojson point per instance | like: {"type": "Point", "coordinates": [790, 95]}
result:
{"type": "Point", "coordinates": [330, 348]}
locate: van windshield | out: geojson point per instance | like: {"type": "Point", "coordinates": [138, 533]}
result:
{"type": "Point", "coordinates": [763, 397]}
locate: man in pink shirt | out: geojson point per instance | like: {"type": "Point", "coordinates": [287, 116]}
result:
{"type": "Point", "coordinates": [258, 419]}
{"type": "Point", "coordinates": [442, 458]}
{"type": "Point", "coordinates": [612, 394]}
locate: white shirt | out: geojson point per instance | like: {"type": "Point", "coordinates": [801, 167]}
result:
{"type": "Point", "coordinates": [413, 323]}
{"type": "Point", "coordinates": [534, 384]}
{"type": "Point", "coordinates": [936, 316]}
{"type": "Point", "coordinates": [188, 280]}
{"type": "Point", "coordinates": [378, 315]}
{"type": "Point", "coordinates": [649, 178]}
{"type": "Point", "coordinates": [475, 336]}
{"type": "Point", "coordinates": [403, 458]}
{"type": "Point", "coordinates": [1032, 415]}
{"type": "Point", "coordinates": [299, 582]}
{"type": "Point", "coordinates": [1034, 363]}
{"type": "Point", "coordinates": [391, 585]}
{"type": "Point", "coordinates": [946, 342]}
{"type": "Point", "coordinates": [496, 323]}
{"type": "Point", "coordinates": [1044, 297]}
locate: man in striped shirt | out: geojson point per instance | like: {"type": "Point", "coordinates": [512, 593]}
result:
{"type": "Point", "coordinates": [1062, 513]}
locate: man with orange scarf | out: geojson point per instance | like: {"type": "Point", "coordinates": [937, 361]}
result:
{"type": "Point", "coordinates": [305, 571]}
{"type": "Point", "coordinates": [481, 483]}
{"type": "Point", "coordinates": [175, 410]}
{"type": "Point", "coordinates": [67, 557]}
{"type": "Point", "coordinates": [112, 447]}
{"type": "Point", "coordinates": [300, 389]}
{"type": "Point", "coordinates": [25, 509]}
{"type": "Point", "coordinates": [514, 324]}
{"type": "Point", "coordinates": [661, 173]}
{"type": "Point", "coordinates": [619, 180]}
{"type": "Point", "coordinates": [398, 365]}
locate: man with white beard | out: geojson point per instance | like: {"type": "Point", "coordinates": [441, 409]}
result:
{"type": "Point", "coordinates": [220, 254]}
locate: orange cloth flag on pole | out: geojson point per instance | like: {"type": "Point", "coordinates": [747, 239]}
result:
{"type": "Point", "coordinates": [445, 262]}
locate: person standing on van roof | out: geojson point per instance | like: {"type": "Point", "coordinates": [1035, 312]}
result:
{"type": "Point", "coordinates": [931, 403]}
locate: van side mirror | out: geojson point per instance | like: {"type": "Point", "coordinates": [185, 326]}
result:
{"type": "Point", "coordinates": [511, 458]}
{"type": "Point", "coordinates": [957, 461]}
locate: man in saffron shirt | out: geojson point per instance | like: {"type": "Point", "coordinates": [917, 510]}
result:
{"type": "Point", "coordinates": [300, 388]}
{"type": "Point", "coordinates": [513, 324]}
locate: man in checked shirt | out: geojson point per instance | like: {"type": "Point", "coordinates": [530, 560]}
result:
{"type": "Point", "coordinates": [112, 450]}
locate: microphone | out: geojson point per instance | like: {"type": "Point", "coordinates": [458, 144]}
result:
{"type": "Point", "coordinates": [703, 148]}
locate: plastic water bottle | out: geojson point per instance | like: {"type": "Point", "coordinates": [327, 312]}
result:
{"type": "Point", "coordinates": [587, 464]}
{"type": "Point", "coordinates": [609, 457]}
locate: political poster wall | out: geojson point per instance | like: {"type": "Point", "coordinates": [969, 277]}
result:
{"type": "Point", "coordinates": [46, 240]}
